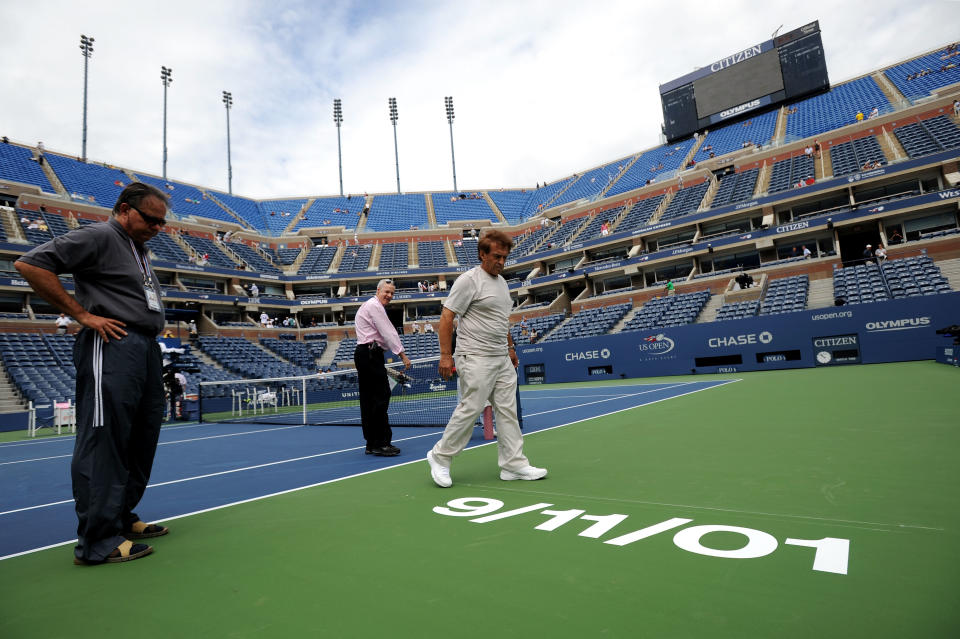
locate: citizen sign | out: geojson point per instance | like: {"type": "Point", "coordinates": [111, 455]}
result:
{"type": "Point", "coordinates": [603, 353]}
{"type": "Point", "coordinates": [904, 324]}
{"type": "Point", "coordinates": [843, 340]}
{"type": "Point", "coordinates": [741, 340]}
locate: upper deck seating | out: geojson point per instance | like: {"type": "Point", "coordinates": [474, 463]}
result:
{"type": "Point", "coordinates": [17, 165]}
{"type": "Point", "coordinates": [936, 76]}
{"type": "Point", "coordinates": [398, 212]}
{"type": "Point", "coordinates": [651, 165]}
{"type": "Point", "coordinates": [756, 130]}
{"type": "Point", "coordinates": [512, 204]}
{"type": "Point", "coordinates": [246, 209]}
{"type": "Point", "coordinates": [333, 211]}
{"type": "Point", "coordinates": [592, 182]}
{"type": "Point", "coordinates": [836, 108]}
{"type": "Point", "coordinates": [449, 206]}
{"type": "Point", "coordinates": [186, 200]}
{"type": "Point", "coordinates": [203, 246]}
{"type": "Point", "coordinates": [253, 259]}
{"type": "Point", "coordinates": [685, 201]}
{"type": "Point", "coordinates": [279, 214]}
{"type": "Point", "coordinates": [87, 180]}
{"type": "Point", "coordinates": [166, 248]}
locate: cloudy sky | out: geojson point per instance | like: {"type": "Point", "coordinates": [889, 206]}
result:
{"type": "Point", "coordinates": [541, 89]}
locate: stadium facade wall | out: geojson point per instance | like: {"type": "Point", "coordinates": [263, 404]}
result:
{"type": "Point", "coordinates": [891, 331]}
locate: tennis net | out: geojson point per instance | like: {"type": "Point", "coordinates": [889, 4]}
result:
{"type": "Point", "coordinates": [419, 397]}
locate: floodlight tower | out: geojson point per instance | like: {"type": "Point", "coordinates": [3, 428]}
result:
{"type": "Point", "coordinates": [392, 102]}
{"type": "Point", "coordinates": [228, 102]}
{"type": "Point", "coordinates": [338, 120]}
{"type": "Point", "coordinates": [166, 76]}
{"type": "Point", "coordinates": [86, 48]}
{"type": "Point", "coordinates": [448, 101]}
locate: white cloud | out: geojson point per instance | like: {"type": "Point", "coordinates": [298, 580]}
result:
{"type": "Point", "coordinates": [541, 89]}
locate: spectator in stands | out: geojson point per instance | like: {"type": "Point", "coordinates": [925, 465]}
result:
{"type": "Point", "coordinates": [875, 113]}
{"type": "Point", "coordinates": [895, 237]}
{"type": "Point", "coordinates": [63, 323]}
{"type": "Point", "coordinates": [34, 225]}
{"type": "Point", "coordinates": [816, 148]}
{"type": "Point", "coordinates": [416, 327]}
{"type": "Point", "coordinates": [119, 367]}
{"type": "Point", "coordinates": [486, 363]}
{"type": "Point", "coordinates": [669, 288]}
{"type": "Point", "coordinates": [254, 290]}
{"type": "Point", "coordinates": [192, 329]}
{"type": "Point", "coordinates": [264, 319]}
{"type": "Point", "coordinates": [168, 334]}
{"type": "Point", "coordinates": [868, 254]}
{"type": "Point", "coordinates": [427, 328]}
{"type": "Point", "coordinates": [523, 323]}
{"type": "Point", "coordinates": [859, 116]}
{"type": "Point", "coordinates": [880, 254]}
{"type": "Point", "coordinates": [375, 334]}
{"type": "Point", "coordinates": [433, 287]}
{"type": "Point", "coordinates": [808, 151]}
{"type": "Point", "coordinates": [605, 228]}
{"type": "Point", "coordinates": [806, 253]}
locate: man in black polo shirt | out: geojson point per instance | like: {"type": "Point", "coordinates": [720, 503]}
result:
{"type": "Point", "coordinates": [120, 398]}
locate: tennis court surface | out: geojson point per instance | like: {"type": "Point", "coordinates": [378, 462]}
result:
{"type": "Point", "coordinates": [790, 504]}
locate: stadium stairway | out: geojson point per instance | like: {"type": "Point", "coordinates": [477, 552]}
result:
{"type": "Point", "coordinates": [9, 398]}
{"type": "Point", "coordinates": [951, 271]}
{"type": "Point", "coordinates": [709, 311]}
{"type": "Point", "coordinates": [780, 131]}
{"type": "Point", "coordinates": [327, 358]}
{"type": "Point", "coordinates": [623, 320]}
{"type": "Point", "coordinates": [820, 293]}
{"type": "Point", "coordinates": [493, 207]}
{"type": "Point", "coordinates": [54, 179]}
{"type": "Point", "coordinates": [431, 214]}
{"type": "Point", "coordinates": [892, 92]}
{"type": "Point", "coordinates": [891, 146]}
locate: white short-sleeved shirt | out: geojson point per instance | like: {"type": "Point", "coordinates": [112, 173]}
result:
{"type": "Point", "coordinates": [483, 303]}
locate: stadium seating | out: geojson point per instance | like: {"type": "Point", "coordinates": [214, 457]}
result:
{"type": "Point", "coordinates": [317, 261]}
{"type": "Point", "coordinates": [639, 214]}
{"type": "Point", "coordinates": [735, 187]}
{"type": "Point", "coordinates": [279, 214]}
{"type": "Point", "coordinates": [398, 213]}
{"type": "Point", "coordinates": [512, 204]}
{"type": "Point", "coordinates": [303, 354]}
{"type": "Point", "coordinates": [591, 183]}
{"type": "Point", "coordinates": [333, 211]}
{"type": "Point", "coordinates": [164, 247]}
{"type": "Point", "coordinates": [186, 200]}
{"type": "Point", "coordinates": [431, 254]}
{"type": "Point", "coordinates": [528, 242]}
{"type": "Point", "coordinates": [860, 283]}
{"type": "Point", "coordinates": [87, 182]}
{"type": "Point", "coordinates": [758, 129]}
{"type": "Point", "coordinates": [651, 165]}
{"type": "Point", "coordinates": [254, 261]}
{"type": "Point", "coordinates": [593, 228]}
{"type": "Point", "coordinates": [685, 202]}
{"type": "Point", "coordinates": [40, 366]}
{"type": "Point", "coordinates": [836, 108]}
{"type": "Point", "coordinates": [914, 276]}
{"type": "Point", "coordinates": [540, 199]}
{"type": "Point", "coordinates": [588, 322]}
{"type": "Point", "coordinates": [449, 206]}
{"type": "Point", "coordinates": [394, 255]}
{"type": "Point", "coordinates": [466, 252]}
{"type": "Point", "coordinates": [239, 356]}
{"type": "Point", "coordinates": [787, 173]}
{"type": "Point", "coordinates": [852, 157]}
{"type": "Point", "coordinates": [36, 235]}
{"type": "Point", "coordinates": [247, 210]}
{"type": "Point", "coordinates": [287, 256]}
{"type": "Point", "coordinates": [928, 136]}
{"type": "Point", "coordinates": [203, 246]}
{"type": "Point", "coordinates": [934, 79]}
{"type": "Point", "coordinates": [566, 230]}
{"type": "Point", "coordinates": [355, 258]}
{"type": "Point", "coordinates": [16, 165]}
{"type": "Point", "coordinates": [737, 310]}
{"type": "Point", "coordinates": [785, 295]}
{"type": "Point", "coordinates": [538, 325]}
{"type": "Point", "coordinates": [663, 312]}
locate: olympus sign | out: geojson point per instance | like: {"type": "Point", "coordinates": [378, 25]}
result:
{"type": "Point", "coordinates": [603, 353]}
{"type": "Point", "coordinates": [746, 106]}
{"type": "Point", "coordinates": [741, 340]}
{"type": "Point", "coordinates": [904, 324]}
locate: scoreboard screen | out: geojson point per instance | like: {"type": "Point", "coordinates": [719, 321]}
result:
{"type": "Point", "coordinates": [788, 67]}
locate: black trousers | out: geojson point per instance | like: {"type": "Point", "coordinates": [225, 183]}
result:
{"type": "Point", "coordinates": [120, 402]}
{"type": "Point", "coordinates": [374, 395]}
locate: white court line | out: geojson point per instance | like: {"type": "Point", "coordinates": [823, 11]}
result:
{"type": "Point", "coordinates": [336, 479]}
{"type": "Point", "coordinates": [60, 438]}
{"type": "Point", "coordinates": [176, 441]}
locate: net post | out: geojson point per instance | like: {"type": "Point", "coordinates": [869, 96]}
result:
{"type": "Point", "coordinates": [303, 399]}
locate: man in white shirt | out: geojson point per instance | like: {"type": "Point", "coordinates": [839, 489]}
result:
{"type": "Point", "coordinates": [63, 322]}
{"type": "Point", "coordinates": [486, 363]}
{"type": "Point", "coordinates": [264, 319]}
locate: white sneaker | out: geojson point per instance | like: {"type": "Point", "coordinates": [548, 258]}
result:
{"type": "Point", "coordinates": [529, 473]}
{"type": "Point", "coordinates": [439, 472]}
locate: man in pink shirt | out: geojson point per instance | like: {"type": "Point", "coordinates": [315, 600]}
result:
{"type": "Point", "coordinates": [375, 334]}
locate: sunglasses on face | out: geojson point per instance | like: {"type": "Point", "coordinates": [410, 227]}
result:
{"type": "Point", "coordinates": [149, 219]}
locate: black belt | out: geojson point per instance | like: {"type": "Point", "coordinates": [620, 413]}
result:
{"type": "Point", "coordinates": [373, 346]}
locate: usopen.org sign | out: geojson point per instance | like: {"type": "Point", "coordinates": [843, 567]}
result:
{"type": "Point", "coordinates": [656, 345]}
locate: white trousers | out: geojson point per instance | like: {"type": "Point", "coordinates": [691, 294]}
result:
{"type": "Point", "coordinates": [482, 380]}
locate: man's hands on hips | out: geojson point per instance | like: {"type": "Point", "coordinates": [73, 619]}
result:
{"type": "Point", "coordinates": [107, 327]}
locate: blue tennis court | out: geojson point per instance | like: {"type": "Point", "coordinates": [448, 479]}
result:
{"type": "Point", "coordinates": [200, 467]}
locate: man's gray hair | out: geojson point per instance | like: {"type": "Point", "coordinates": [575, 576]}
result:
{"type": "Point", "coordinates": [381, 283]}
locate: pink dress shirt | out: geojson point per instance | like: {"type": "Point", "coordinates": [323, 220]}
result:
{"type": "Point", "coordinates": [373, 325]}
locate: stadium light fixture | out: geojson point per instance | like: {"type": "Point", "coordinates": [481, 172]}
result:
{"type": "Point", "coordinates": [166, 76]}
{"type": "Point", "coordinates": [392, 103]}
{"type": "Point", "coordinates": [338, 120]}
{"type": "Point", "coordinates": [228, 102]}
{"type": "Point", "coordinates": [86, 48]}
{"type": "Point", "coordinates": [448, 102]}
